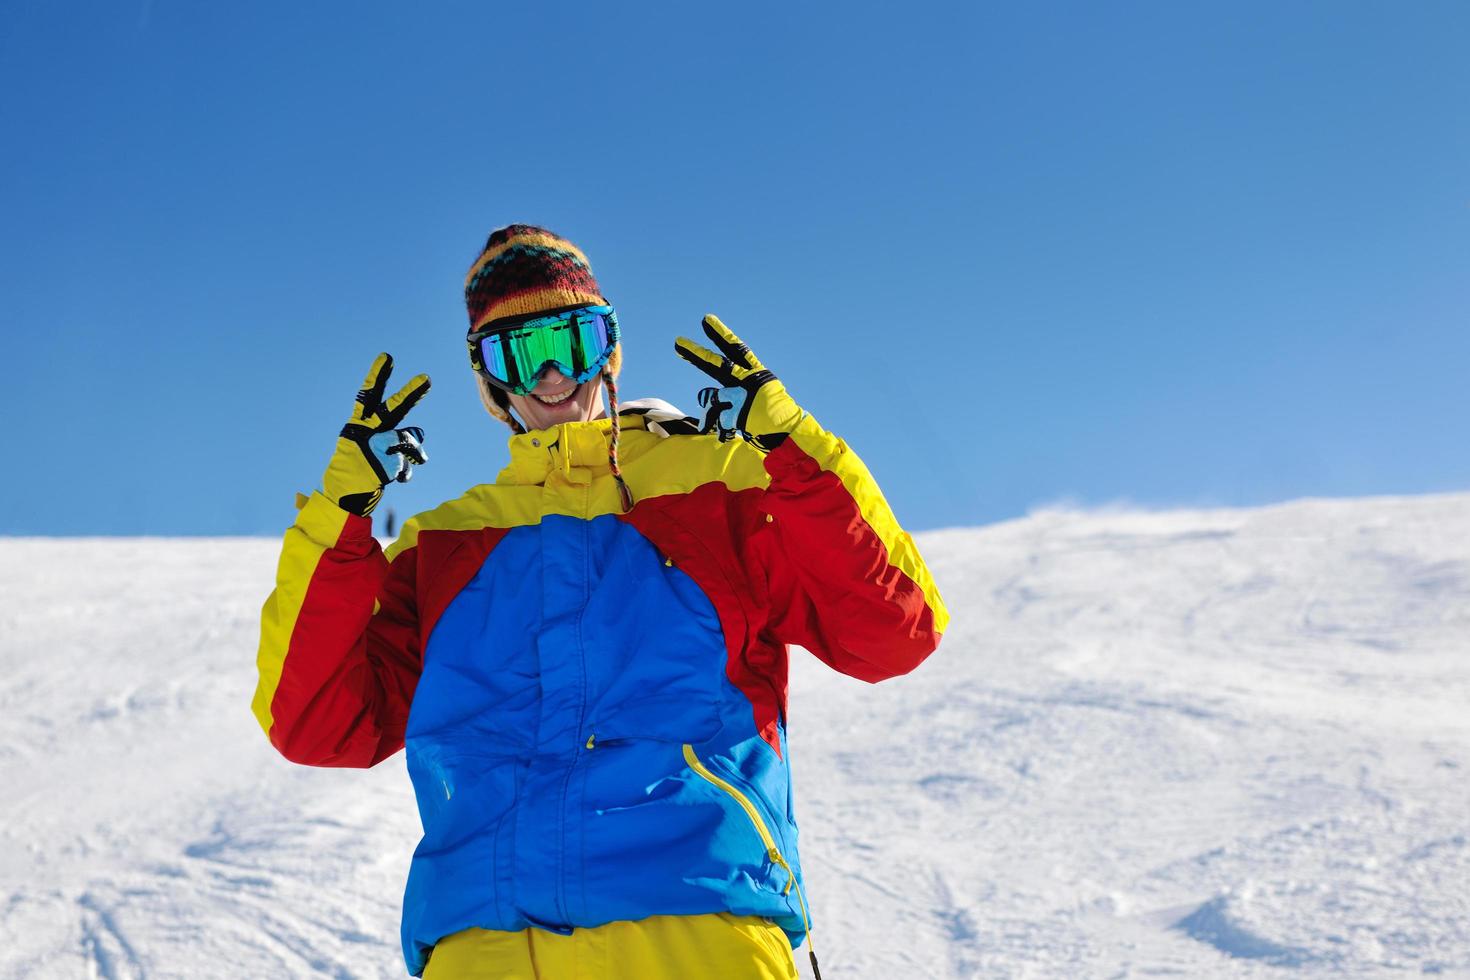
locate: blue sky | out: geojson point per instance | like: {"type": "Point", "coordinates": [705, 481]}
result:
{"type": "Point", "coordinates": [1164, 253]}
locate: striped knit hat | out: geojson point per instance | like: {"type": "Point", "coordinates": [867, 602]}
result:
{"type": "Point", "coordinates": [525, 269]}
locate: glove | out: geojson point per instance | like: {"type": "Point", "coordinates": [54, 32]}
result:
{"type": "Point", "coordinates": [372, 451]}
{"type": "Point", "coordinates": [751, 403]}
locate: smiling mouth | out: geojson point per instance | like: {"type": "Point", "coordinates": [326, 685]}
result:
{"type": "Point", "coordinates": [557, 399]}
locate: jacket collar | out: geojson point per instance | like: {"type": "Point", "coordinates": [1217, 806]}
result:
{"type": "Point", "coordinates": [535, 455]}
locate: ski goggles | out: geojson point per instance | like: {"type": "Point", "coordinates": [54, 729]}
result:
{"type": "Point", "coordinates": [514, 352]}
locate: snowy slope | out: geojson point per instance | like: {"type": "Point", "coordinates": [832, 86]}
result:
{"type": "Point", "coordinates": [1214, 743]}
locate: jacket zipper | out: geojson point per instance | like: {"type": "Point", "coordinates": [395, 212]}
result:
{"type": "Point", "coordinates": [772, 851]}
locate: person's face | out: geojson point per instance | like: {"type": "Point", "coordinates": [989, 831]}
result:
{"type": "Point", "coordinates": [557, 399]}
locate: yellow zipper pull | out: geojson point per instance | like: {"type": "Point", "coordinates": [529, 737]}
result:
{"type": "Point", "coordinates": [591, 739]}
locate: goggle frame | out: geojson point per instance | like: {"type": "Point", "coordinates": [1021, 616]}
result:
{"type": "Point", "coordinates": [549, 321]}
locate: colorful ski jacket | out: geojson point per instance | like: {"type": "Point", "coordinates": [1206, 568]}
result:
{"type": "Point", "coordinates": [593, 702]}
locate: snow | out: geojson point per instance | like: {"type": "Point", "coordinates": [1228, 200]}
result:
{"type": "Point", "coordinates": [1190, 743]}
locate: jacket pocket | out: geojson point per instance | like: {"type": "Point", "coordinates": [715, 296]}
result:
{"type": "Point", "coordinates": [773, 851]}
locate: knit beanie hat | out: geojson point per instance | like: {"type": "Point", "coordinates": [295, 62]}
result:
{"type": "Point", "coordinates": [524, 269]}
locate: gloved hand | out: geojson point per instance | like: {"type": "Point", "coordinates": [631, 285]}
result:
{"type": "Point", "coordinates": [372, 451]}
{"type": "Point", "coordinates": [751, 403]}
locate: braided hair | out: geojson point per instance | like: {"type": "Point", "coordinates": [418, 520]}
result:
{"type": "Point", "coordinates": [612, 447]}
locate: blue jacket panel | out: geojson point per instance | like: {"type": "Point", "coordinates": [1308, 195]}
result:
{"type": "Point", "coordinates": [546, 744]}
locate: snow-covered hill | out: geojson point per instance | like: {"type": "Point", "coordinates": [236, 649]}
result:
{"type": "Point", "coordinates": [1214, 743]}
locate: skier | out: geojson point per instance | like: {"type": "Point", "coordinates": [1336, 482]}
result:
{"type": "Point", "coordinates": [586, 659]}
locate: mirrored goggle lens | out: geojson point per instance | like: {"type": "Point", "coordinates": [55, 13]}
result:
{"type": "Point", "coordinates": [578, 344]}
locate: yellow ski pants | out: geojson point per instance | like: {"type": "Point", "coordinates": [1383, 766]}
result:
{"type": "Point", "coordinates": [720, 946]}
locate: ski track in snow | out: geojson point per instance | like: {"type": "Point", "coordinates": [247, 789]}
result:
{"type": "Point", "coordinates": [1228, 743]}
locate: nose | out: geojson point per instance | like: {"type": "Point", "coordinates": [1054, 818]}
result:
{"type": "Point", "coordinates": [551, 380]}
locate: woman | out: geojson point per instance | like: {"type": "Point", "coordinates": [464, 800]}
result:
{"type": "Point", "coordinates": [587, 658]}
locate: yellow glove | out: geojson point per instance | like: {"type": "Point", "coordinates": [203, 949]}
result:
{"type": "Point", "coordinates": [372, 451]}
{"type": "Point", "coordinates": [751, 403]}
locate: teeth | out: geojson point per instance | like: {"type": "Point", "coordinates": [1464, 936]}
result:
{"type": "Point", "coordinates": [558, 399]}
